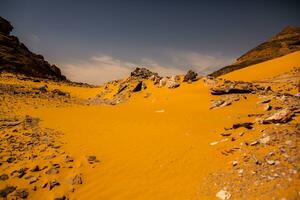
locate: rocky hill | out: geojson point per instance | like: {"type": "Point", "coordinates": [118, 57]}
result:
{"type": "Point", "coordinates": [285, 42]}
{"type": "Point", "coordinates": [16, 58]}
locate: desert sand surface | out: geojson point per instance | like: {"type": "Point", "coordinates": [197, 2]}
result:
{"type": "Point", "coordinates": [60, 140]}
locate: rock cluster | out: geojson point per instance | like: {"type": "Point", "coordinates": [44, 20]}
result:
{"type": "Point", "coordinates": [144, 74]}
{"type": "Point", "coordinates": [170, 82]}
{"type": "Point", "coordinates": [15, 57]}
{"type": "Point", "coordinates": [190, 76]}
{"type": "Point", "coordinates": [264, 148]}
{"type": "Point", "coordinates": [23, 142]}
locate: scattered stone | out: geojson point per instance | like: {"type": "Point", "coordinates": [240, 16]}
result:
{"type": "Point", "coordinates": [53, 183]}
{"type": "Point", "coordinates": [267, 107]}
{"type": "Point", "coordinates": [190, 76]}
{"type": "Point", "coordinates": [92, 159]}
{"type": "Point", "coordinates": [264, 140]}
{"type": "Point", "coordinates": [172, 82]}
{"type": "Point", "coordinates": [61, 198]}
{"type": "Point", "coordinates": [271, 162]}
{"type": "Point", "coordinates": [138, 87]}
{"type": "Point", "coordinates": [59, 92]}
{"type": "Point", "coordinates": [35, 169]}
{"type": "Point", "coordinates": [43, 89]}
{"type": "Point", "coordinates": [22, 193]}
{"type": "Point", "coordinates": [69, 159]}
{"type": "Point", "coordinates": [214, 143]}
{"type": "Point", "coordinates": [247, 125]}
{"type": "Point", "coordinates": [163, 82]}
{"type": "Point", "coordinates": [254, 143]}
{"type": "Point", "coordinates": [265, 101]}
{"type": "Point", "coordinates": [4, 177]}
{"type": "Point", "coordinates": [225, 134]}
{"type": "Point", "coordinates": [234, 163]}
{"type": "Point", "coordinates": [52, 170]}
{"type": "Point", "coordinates": [32, 179]}
{"type": "Point", "coordinates": [6, 191]}
{"type": "Point", "coordinates": [44, 185]}
{"type": "Point", "coordinates": [11, 159]}
{"type": "Point", "coordinates": [223, 195]}
{"type": "Point", "coordinates": [122, 88]}
{"type": "Point", "coordinates": [240, 172]}
{"type": "Point", "coordinates": [22, 172]}
{"type": "Point", "coordinates": [77, 180]}
{"type": "Point", "coordinates": [217, 103]}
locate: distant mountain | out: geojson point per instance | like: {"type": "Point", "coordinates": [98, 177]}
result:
{"type": "Point", "coordinates": [15, 57]}
{"type": "Point", "coordinates": [285, 42]}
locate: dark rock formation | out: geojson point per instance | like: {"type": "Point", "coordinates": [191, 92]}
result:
{"type": "Point", "coordinates": [5, 26]}
{"type": "Point", "coordinates": [16, 58]}
{"type": "Point", "coordinates": [190, 76]}
{"type": "Point", "coordinates": [138, 87]}
{"type": "Point", "coordinates": [143, 73]}
{"type": "Point", "coordinates": [285, 42]}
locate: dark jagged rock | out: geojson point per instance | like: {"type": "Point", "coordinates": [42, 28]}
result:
{"type": "Point", "coordinates": [138, 87]}
{"type": "Point", "coordinates": [22, 193]}
{"type": "Point", "coordinates": [143, 73]}
{"type": "Point", "coordinates": [285, 42]}
{"type": "Point", "coordinates": [6, 191]}
{"type": "Point", "coordinates": [4, 177]}
{"type": "Point", "coordinates": [190, 76]}
{"type": "Point", "coordinates": [16, 58]}
{"type": "Point", "coordinates": [247, 125]}
{"type": "Point", "coordinates": [5, 26]}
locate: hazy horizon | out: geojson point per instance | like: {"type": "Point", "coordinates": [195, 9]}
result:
{"type": "Point", "coordinates": [105, 40]}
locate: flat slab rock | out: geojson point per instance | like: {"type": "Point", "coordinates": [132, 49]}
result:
{"type": "Point", "coordinates": [282, 116]}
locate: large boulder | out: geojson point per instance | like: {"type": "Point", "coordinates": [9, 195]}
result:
{"type": "Point", "coordinates": [143, 73]}
{"type": "Point", "coordinates": [16, 58]}
{"type": "Point", "coordinates": [190, 76]}
{"type": "Point", "coordinates": [172, 82]}
{"type": "Point", "coordinates": [5, 26]}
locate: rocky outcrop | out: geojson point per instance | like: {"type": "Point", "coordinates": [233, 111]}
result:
{"type": "Point", "coordinates": [142, 73]}
{"type": "Point", "coordinates": [190, 76]}
{"type": "Point", "coordinates": [5, 26]}
{"type": "Point", "coordinates": [16, 58]}
{"type": "Point", "coordinates": [285, 42]}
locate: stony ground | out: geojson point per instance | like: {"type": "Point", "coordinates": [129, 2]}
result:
{"type": "Point", "coordinates": [32, 159]}
{"type": "Point", "coordinates": [264, 165]}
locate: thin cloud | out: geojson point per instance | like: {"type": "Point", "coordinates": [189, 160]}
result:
{"type": "Point", "coordinates": [103, 68]}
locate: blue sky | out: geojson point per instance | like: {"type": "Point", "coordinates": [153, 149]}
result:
{"type": "Point", "coordinates": [96, 41]}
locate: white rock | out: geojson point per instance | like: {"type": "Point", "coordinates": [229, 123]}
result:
{"type": "Point", "coordinates": [234, 163]}
{"type": "Point", "coordinates": [223, 195]}
{"type": "Point", "coordinates": [264, 140]}
{"type": "Point", "coordinates": [172, 82]}
{"type": "Point", "coordinates": [213, 143]}
{"type": "Point", "coordinates": [163, 82]}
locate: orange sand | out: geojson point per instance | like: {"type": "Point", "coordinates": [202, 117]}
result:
{"type": "Point", "coordinates": [266, 69]}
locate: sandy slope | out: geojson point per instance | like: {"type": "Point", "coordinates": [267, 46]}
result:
{"type": "Point", "coordinates": [156, 147]}
{"type": "Point", "coordinates": [266, 69]}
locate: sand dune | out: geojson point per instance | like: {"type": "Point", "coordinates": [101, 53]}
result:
{"type": "Point", "coordinates": [168, 145]}
{"type": "Point", "coordinates": [267, 69]}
